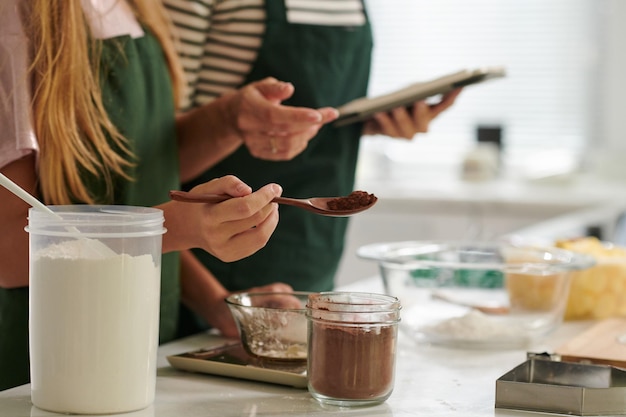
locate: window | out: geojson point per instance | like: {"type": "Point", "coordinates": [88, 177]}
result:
{"type": "Point", "coordinates": [547, 101]}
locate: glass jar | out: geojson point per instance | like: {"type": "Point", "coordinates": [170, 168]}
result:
{"type": "Point", "coordinates": [352, 340]}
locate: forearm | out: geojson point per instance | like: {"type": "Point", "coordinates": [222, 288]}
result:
{"type": "Point", "coordinates": [13, 218]}
{"type": "Point", "coordinates": [204, 294]}
{"type": "Point", "coordinates": [14, 252]}
{"type": "Point", "coordinates": [199, 288]}
{"type": "Point", "coordinates": [206, 135]}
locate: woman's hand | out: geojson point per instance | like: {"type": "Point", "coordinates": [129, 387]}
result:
{"type": "Point", "coordinates": [252, 116]}
{"type": "Point", "coordinates": [406, 123]}
{"type": "Point", "coordinates": [231, 230]}
{"type": "Point", "coordinates": [218, 315]}
{"type": "Point", "coordinates": [204, 294]}
{"type": "Point", "coordinates": [270, 130]}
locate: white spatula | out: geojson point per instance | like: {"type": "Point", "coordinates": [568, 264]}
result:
{"type": "Point", "coordinates": [98, 248]}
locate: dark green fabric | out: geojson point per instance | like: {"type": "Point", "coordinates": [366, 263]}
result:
{"type": "Point", "coordinates": [139, 100]}
{"type": "Point", "coordinates": [14, 363]}
{"type": "Point", "coordinates": [329, 66]}
{"type": "Point", "coordinates": [137, 94]}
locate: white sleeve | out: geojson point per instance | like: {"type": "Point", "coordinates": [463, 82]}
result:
{"type": "Point", "coordinates": [17, 136]}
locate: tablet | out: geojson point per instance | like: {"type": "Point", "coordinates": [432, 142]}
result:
{"type": "Point", "coordinates": [363, 108]}
{"type": "Point", "coordinates": [232, 360]}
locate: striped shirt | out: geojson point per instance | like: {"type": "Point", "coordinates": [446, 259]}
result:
{"type": "Point", "coordinates": [219, 40]}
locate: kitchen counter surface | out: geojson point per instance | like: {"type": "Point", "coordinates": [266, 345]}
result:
{"type": "Point", "coordinates": [548, 198]}
{"type": "Point", "coordinates": [430, 381]}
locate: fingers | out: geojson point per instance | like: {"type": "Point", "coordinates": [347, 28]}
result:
{"type": "Point", "coordinates": [237, 240]}
{"type": "Point", "coordinates": [263, 112]}
{"type": "Point", "coordinates": [329, 114]}
{"type": "Point", "coordinates": [248, 207]}
{"type": "Point", "coordinates": [274, 147]}
{"type": "Point", "coordinates": [229, 184]}
{"type": "Point", "coordinates": [274, 90]}
{"type": "Point", "coordinates": [422, 115]}
{"type": "Point", "coordinates": [446, 102]}
{"type": "Point", "coordinates": [242, 226]}
{"type": "Point", "coordinates": [251, 239]}
{"type": "Point", "coordinates": [283, 146]}
{"type": "Point", "coordinates": [270, 130]}
{"type": "Point", "coordinates": [291, 121]}
{"type": "Point", "coordinates": [221, 318]}
{"type": "Point", "coordinates": [279, 147]}
{"type": "Point", "coordinates": [286, 147]}
{"type": "Point", "coordinates": [283, 132]}
{"type": "Point", "coordinates": [278, 91]}
{"type": "Point", "coordinates": [275, 300]}
{"type": "Point", "coordinates": [397, 124]}
{"type": "Point", "coordinates": [273, 287]}
{"type": "Point", "coordinates": [406, 123]}
{"type": "Point", "coordinates": [230, 230]}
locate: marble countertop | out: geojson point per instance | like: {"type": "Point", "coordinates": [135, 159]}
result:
{"type": "Point", "coordinates": [430, 381]}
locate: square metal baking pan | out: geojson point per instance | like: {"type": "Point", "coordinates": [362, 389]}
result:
{"type": "Point", "coordinates": [546, 385]}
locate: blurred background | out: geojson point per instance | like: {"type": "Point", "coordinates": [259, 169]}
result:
{"type": "Point", "coordinates": [559, 117]}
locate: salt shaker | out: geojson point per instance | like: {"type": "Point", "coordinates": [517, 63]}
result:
{"type": "Point", "coordinates": [352, 341]}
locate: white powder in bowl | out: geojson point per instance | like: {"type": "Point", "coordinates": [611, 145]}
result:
{"type": "Point", "coordinates": [472, 326]}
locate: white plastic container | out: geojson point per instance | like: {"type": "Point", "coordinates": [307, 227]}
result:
{"type": "Point", "coordinates": [94, 307]}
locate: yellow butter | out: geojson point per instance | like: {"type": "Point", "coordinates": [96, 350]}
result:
{"type": "Point", "coordinates": [598, 292]}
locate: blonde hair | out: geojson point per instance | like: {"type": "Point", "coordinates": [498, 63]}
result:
{"type": "Point", "coordinates": [73, 129]}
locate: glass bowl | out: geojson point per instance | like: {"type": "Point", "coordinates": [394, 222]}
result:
{"type": "Point", "coordinates": [272, 325]}
{"type": "Point", "coordinates": [477, 294]}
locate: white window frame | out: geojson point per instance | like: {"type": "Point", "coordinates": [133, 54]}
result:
{"type": "Point", "coordinates": [597, 65]}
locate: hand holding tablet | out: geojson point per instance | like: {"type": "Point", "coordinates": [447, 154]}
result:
{"type": "Point", "coordinates": [363, 108]}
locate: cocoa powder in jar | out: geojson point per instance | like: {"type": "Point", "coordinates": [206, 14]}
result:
{"type": "Point", "coordinates": [354, 363]}
{"type": "Point", "coordinates": [351, 347]}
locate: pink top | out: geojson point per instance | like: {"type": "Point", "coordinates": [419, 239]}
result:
{"type": "Point", "coordinates": [107, 19]}
{"type": "Point", "coordinates": [17, 137]}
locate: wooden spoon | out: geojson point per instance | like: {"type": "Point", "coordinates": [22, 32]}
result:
{"type": "Point", "coordinates": [354, 203]}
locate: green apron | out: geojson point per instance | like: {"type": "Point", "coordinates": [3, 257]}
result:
{"type": "Point", "coordinates": [137, 94]}
{"type": "Point", "coordinates": [329, 66]}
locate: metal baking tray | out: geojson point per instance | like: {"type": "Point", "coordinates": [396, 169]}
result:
{"type": "Point", "coordinates": [545, 384]}
{"type": "Point", "coordinates": [231, 360]}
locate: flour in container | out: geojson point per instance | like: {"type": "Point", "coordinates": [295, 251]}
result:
{"type": "Point", "coordinates": [94, 330]}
